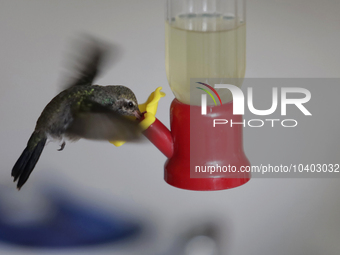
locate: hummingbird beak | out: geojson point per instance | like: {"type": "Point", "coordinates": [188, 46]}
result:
{"type": "Point", "coordinates": [137, 114]}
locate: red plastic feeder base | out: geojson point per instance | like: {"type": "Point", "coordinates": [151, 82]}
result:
{"type": "Point", "coordinates": [197, 143]}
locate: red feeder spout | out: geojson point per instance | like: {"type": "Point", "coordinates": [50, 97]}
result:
{"type": "Point", "coordinates": [194, 142]}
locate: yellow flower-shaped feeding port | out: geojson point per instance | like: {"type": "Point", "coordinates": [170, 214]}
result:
{"type": "Point", "coordinates": [150, 107]}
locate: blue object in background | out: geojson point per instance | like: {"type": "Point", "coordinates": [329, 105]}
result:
{"type": "Point", "coordinates": [67, 224]}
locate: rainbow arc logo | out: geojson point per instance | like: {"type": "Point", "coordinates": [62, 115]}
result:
{"type": "Point", "coordinates": [209, 93]}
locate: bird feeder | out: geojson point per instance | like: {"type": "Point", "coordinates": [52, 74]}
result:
{"type": "Point", "coordinates": [205, 45]}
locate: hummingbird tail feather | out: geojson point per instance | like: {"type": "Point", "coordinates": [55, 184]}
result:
{"type": "Point", "coordinates": [28, 159]}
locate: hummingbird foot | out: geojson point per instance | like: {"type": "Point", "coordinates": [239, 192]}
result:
{"type": "Point", "coordinates": [62, 146]}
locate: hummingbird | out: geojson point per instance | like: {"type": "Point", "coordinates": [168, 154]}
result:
{"type": "Point", "coordinates": [82, 110]}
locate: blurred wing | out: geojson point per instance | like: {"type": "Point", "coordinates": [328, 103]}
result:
{"type": "Point", "coordinates": [87, 63]}
{"type": "Point", "coordinates": [87, 59]}
{"type": "Point", "coordinates": [97, 122]}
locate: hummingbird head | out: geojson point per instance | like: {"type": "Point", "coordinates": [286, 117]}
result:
{"type": "Point", "coordinates": [126, 103]}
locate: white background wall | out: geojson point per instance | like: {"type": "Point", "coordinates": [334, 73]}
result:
{"type": "Point", "coordinates": [285, 38]}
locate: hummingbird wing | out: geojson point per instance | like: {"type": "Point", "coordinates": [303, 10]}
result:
{"type": "Point", "coordinates": [90, 57]}
{"type": "Point", "coordinates": [97, 122]}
